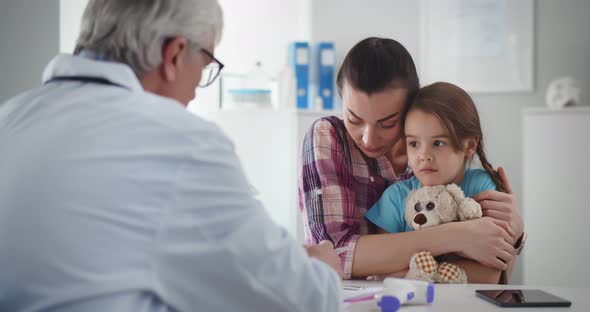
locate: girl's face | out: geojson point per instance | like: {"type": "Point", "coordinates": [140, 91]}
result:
{"type": "Point", "coordinates": [373, 121]}
{"type": "Point", "coordinates": [430, 153]}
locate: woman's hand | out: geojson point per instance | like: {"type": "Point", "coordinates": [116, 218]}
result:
{"type": "Point", "coordinates": [324, 251]}
{"type": "Point", "coordinates": [502, 206]}
{"type": "Point", "coordinates": [488, 241]}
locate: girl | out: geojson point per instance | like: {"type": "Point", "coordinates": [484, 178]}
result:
{"type": "Point", "coordinates": [442, 133]}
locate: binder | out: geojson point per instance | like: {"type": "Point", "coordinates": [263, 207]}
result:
{"type": "Point", "coordinates": [299, 60]}
{"type": "Point", "coordinates": [326, 62]}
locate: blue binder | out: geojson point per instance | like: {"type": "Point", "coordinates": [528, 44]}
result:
{"type": "Point", "coordinates": [326, 61]}
{"type": "Point", "coordinates": [299, 59]}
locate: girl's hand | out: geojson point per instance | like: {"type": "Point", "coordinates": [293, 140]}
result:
{"type": "Point", "coordinates": [488, 241]}
{"type": "Point", "coordinates": [502, 206]}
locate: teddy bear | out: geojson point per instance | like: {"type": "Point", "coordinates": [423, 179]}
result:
{"type": "Point", "coordinates": [430, 206]}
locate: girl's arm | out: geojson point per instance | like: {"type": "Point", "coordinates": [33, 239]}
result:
{"type": "Point", "coordinates": [485, 240]}
{"type": "Point", "coordinates": [476, 272]}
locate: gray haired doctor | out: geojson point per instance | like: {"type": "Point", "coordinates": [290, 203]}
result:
{"type": "Point", "coordinates": [114, 198]}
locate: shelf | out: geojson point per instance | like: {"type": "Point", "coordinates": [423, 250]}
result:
{"type": "Point", "coordinates": [549, 111]}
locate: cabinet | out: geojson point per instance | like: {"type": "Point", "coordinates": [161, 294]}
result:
{"type": "Point", "coordinates": [268, 144]}
{"type": "Point", "coordinates": [556, 205]}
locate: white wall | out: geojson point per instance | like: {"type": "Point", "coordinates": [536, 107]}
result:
{"type": "Point", "coordinates": [256, 30]}
{"type": "Point", "coordinates": [346, 22]}
{"type": "Point", "coordinates": [262, 34]}
{"type": "Point", "coordinates": [28, 40]}
{"type": "Point", "coordinates": [70, 12]}
{"type": "Point", "coordinates": [261, 30]}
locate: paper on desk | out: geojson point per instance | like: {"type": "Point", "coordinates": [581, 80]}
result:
{"type": "Point", "coordinates": [354, 292]}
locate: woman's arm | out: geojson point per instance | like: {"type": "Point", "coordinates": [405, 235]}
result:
{"type": "Point", "coordinates": [502, 206]}
{"type": "Point", "coordinates": [326, 200]}
{"type": "Point", "coordinates": [485, 240]}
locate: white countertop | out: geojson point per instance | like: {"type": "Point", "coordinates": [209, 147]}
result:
{"type": "Point", "coordinates": [460, 298]}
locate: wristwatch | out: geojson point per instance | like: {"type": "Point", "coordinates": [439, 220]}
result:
{"type": "Point", "coordinates": [520, 243]}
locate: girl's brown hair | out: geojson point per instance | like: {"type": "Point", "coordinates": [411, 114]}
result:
{"type": "Point", "coordinates": [455, 108]}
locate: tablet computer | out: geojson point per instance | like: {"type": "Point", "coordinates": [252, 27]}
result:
{"type": "Point", "coordinates": [522, 298]}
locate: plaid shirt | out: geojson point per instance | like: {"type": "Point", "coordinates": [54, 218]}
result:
{"type": "Point", "coordinates": [337, 185]}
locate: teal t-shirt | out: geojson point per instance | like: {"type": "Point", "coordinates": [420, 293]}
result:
{"type": "Point", "coordinates": [388, 211]}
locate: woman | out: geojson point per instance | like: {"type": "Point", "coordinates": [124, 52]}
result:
{"type": "Point", "coordinates": [347, 164]}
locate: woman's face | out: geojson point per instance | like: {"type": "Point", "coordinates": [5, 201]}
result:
{"type": "Point", "coordinates": [373, 121]}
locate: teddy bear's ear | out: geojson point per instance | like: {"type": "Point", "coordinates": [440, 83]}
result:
{"type": "Point", "coordinates": [456, 192]}
{"type": "Point", "coordinates": [446, 207]}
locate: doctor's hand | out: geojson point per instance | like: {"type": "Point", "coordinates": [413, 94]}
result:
{"type": "Point", "coordinates": [502, 206]}
{"type": "Point", "coordinates": [324, 251]}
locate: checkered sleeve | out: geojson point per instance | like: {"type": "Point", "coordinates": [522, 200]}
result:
{"type": "Point", "coordinates": [326, 199]}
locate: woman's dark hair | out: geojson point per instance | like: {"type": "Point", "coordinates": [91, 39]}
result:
{"type": "Point", "coordinates": [376, 64]}
{"type": "Point", "coordinates": [456, 110]}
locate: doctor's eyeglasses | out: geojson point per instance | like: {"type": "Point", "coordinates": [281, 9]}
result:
{"type": "Point", "coordinates": [211, 71]}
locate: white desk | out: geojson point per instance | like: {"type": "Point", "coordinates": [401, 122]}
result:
{"type": "Point", "coordinates": [458, 298]}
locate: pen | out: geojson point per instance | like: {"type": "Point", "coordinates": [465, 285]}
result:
{"type": "Point", "coordinates": [352, 287]}
{"type": "Point", "coordinates": [359, 299]}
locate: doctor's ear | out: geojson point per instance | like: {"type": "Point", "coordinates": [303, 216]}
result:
{"type": "Point", "coordinates": [173, 53]}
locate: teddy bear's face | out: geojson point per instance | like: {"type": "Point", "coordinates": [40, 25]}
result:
{"type": "Point", "coordinates": [429, 206]}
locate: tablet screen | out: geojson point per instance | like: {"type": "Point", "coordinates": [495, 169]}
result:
{"type": "Point", "coordinates": [522, 298]}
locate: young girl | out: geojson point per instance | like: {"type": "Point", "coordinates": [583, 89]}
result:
{"type": "Point", "coordinates": [442, 133]}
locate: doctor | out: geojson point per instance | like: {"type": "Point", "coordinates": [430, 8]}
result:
{"type": "Point", "coordinates": [114, 198]}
